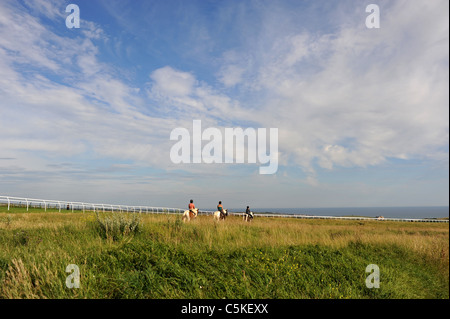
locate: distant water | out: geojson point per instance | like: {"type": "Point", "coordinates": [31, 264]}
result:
{"type": "Point", "coordinates": [390, 212]}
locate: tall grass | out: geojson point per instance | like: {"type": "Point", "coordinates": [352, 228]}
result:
{"type": "Point", "coordinates": [159, 256]}
{"type": "Point", "coordinates": [116, 226]}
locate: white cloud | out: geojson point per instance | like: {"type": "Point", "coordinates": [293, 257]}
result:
{"type": "Point", "coordinates": [52, 9]}
{"type": "Point", "coordinates": [231, 75]}
{"type": "Point", "coordinates": [180, 95]}
{"type": "Point", "coordinates": [168, 81]}
{"type": "Point", "coordinates": [346, 96]}
{"type": "Point", "coordinates": [87, 109]}
{"type": "Point", "coordinates": [385, 91]}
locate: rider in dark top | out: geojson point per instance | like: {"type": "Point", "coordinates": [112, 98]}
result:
{"type": "Point", "coordinates": [247, 211]}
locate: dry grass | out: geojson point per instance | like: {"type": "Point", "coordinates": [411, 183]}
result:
{"type": "Point", "coordinates": [429, 240]}
{"type": "Point", "coordinates": [419, 237]}
{"type": "Point", "coordinates": [36, 248]}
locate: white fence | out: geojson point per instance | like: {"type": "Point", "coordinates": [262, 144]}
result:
{"type": "Point", "coordinates": [72, 206]}
{"type": "Point", "coordinates": [427, 220]}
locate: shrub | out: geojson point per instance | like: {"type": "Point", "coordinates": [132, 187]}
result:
{"type": "Point", "coordinates": [115, 226]}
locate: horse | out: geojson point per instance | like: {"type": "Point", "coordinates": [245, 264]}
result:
{"type": "Point", "coordinates": [247, 217]}
{"type": "Point", "coordinates": [188, 215]}
{"type": "Point", "coordinates": [218, 216]}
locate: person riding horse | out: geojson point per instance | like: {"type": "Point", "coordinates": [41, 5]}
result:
{"type": "Point", "coordinates": [220, 209]}
{"type": "Point", "coordinates": [248, 214]}
{"type": "Point", "coordinates": [191, 208]}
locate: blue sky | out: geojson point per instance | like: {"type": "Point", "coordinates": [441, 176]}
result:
{"type": "Point", "coordinates": [362, 114]}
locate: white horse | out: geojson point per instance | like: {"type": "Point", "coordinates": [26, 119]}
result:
{"type": "Point", "coordinates": [248, 218]}
{"type": "Point", "coordinates": [218, 216]}
{"type": "Point", "coordinates": [187, 215]}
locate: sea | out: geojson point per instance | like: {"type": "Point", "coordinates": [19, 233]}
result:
{"type": "Point", "coordinates": [389, 212]}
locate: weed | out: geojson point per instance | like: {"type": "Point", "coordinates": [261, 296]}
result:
{"type": "Point", "coordinates": [7, 220]}
{"type": "Point", "coordinates": [115, 226]}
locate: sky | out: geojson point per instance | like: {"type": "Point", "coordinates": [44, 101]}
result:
{"type": "Point", "coordinates": [362, 113]}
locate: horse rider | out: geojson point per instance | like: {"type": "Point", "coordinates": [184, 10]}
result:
{"type": "Point", "coordinates": [220, 209]}
{"type": "Point", "coordinates": [248, 212]}
{"type": "Point", "coordinates": [191, 208]}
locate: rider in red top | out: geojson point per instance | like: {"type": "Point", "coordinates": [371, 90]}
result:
{"type": "Point", "coordinates": [191, 207]}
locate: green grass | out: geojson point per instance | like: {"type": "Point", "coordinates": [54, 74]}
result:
{"type": "Point", "coordinates": [162, 257]}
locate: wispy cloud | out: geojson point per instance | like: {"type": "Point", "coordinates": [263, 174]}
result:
{"type": "Point", "coordinates": [354, 96]}
{"type": "Point", "coordinates": [341, 95]}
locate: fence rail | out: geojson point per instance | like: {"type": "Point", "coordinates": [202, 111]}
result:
{"type": "Point", "coordinates": [428, 220]}
{"type": "Point", "coordinates": [81, 206]}
{"type": "Point", "coordinates": [71, 205]}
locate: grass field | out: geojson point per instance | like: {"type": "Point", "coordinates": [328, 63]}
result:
{"type": "Point", "coordinates": [159, 256]}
